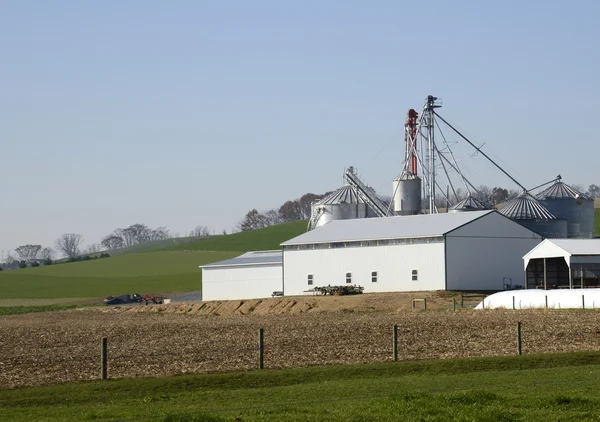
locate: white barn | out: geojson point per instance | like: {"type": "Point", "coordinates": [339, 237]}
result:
{"type": "Point", "coordinates": [477, 250]}
{"type": "Point", "coordinates": [253, 275]}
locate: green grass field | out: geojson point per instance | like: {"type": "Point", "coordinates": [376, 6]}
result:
{"type": "Point", "coordinates": [519, 388]}
{"type": "Point", "coordinates": [172, 269]}
{"type": "Point", "coordinates": [151, 272]}
{"type": "Point", "coordinates": [255, 240]}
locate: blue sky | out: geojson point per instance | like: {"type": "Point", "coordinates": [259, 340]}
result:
{"type": "Point", "coordinates": [186, 113]}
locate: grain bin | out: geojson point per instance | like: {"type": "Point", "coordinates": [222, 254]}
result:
{"type": "Point", "coordinates": [530, 213]}
{"type": "Point", "coordinates": [566, 202]}
{"type": "Point", "coordinates": [469, 204]}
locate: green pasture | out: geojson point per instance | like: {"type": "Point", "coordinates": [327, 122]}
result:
{"type": "Point", "coordinates": [268, 238]}
{"type": "Point", "coordinates": [518, 388]}
{"type": "Point", "coordinates": [151, 272]}
{"type": "Point", "coordinates": [156, 245]}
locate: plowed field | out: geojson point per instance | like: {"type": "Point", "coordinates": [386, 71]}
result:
{"type": "Point", "coordinates": [61, 346]}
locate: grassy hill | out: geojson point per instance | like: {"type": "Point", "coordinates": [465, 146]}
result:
{"type": "Point", "coordinates": [254, 240]}
{"type": "Point", "coordinates": [151, 272]}
{"type": "Point", "coordinates": [156, 245]}
{"type": "Point", "coordinates": [173, 269]}
{"type": "Point", "coordinates": [597, 221]}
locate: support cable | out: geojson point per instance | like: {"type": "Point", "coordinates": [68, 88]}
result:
{"type": "Point", "coordinates": [482, 153]}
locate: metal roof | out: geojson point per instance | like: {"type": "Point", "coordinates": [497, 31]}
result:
{"type": "Point", "coordinates": [560, 190]}
{"type": "Point", "coordinates": [578, 246]}
{"type": "Point", "coordinates": [249, 259]}
{"type": "Point", "coordinates": [344, 195]}
{"type": "Point", "coordinates": [396, 227]}
{"type": "Point", "coordinates": [526, 207]}
{"type": "Point", "coordinates": [470, 204]}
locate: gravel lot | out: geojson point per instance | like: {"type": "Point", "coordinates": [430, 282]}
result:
{"type": "Point", "coordinates": [63, 346]}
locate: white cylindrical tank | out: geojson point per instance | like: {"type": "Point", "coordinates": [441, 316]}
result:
{"type": "Point", "coordinates": [407, 194]}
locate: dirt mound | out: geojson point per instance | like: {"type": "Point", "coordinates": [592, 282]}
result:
{"type": "Point", "coordinates": [373, 302]}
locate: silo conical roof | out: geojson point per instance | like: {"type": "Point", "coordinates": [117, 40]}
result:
{"type": "Point", "coordinates": [469, 204]}
{"type": "Point", "coordinates": [344, 195]}
{"type": "Point", "coordinates": [526, 207]}
{"type": "Point", "coordinates": [560, 190]}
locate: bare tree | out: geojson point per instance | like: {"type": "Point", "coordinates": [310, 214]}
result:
{"type": "Point", "coordinates": [47, 253]}
{"type": "Point", "coordinates": [112, 242]}
{"type": "Point", "coordinates": [69, 243]}
{"type": "Point", "coordinates": [200, 231]}
{"type": "Point", "coordinates": [93, 248]}
{"type": "Point", "coordinates": [28, 253]}
{"type": "Point", "coordinates": [594, 191]}
{"type": "Point", "coordinates": [252, 221]}
{"type": "Point", "coordinates": [160, 233]}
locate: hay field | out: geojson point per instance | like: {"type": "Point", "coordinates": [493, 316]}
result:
{"type": "Point", "coordinates": [64, 346]}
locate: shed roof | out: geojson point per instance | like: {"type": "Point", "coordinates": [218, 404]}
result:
{"type": "Point", "coordinates": [396, 227]}
{"type": "Point", "coordinates": [250, 259]}
{"type": "Point", "coordinates": [570, 249]}
{"type": "Point", "coordinates": [578, 246]}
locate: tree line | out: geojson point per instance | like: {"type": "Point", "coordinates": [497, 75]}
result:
{"type": "Point", "coordinates": [69, 245]}
{"type": "Point", "coordinates": [294, 210]}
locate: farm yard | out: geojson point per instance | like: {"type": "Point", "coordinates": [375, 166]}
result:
{"type": "Point", "coordinates": [64, 346]}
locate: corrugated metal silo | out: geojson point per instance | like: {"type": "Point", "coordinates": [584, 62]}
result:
{"type": "Point", "coordinates": [469, 204]}
{"type": "Point", "coordinates": [407, 194]}
{"type": "Point", "coordinates": [530, 213]}
{"type": "Point", "coordinates": [565, 202]}
{"type": "Point", "coordinates": [343, 204]}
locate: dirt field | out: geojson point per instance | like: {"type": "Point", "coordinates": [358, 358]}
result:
{"type": "Point", "coordinates": [53, 347]}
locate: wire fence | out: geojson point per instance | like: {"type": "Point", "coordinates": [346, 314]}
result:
{"type": "Point", "coordinates": [176, 344]}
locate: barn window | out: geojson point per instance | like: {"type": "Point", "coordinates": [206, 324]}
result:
{"type": "Point", "coordinates": [348, 278]}
{"type": "Point", "coordinates": [373, 276]}
{"type": "Point", "coordinates": [310, 279]}
{"type": "Point", "coordinates": [415, 275]}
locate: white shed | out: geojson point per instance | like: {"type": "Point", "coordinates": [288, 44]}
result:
{"type": "Point", "coordinates": [477, 250]}
{"type": "Point", "coordinates": [563, 263]}
{"type": "Point", "coordinates": [253, 275]}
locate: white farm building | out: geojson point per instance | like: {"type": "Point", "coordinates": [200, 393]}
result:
{"type": "Point", "coordinates": [253, 275]}
{"type": "Point", "coordinates": [476, 250]}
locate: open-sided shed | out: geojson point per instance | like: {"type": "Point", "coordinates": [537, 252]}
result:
{"type": "Point", "coordinates": [563, 263]}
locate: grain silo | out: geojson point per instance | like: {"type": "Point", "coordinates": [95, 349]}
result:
{"type": "Point", "coordinates": [530, 213]}
{"type": "Point", "coordinates": [407, 194]}
{"type": "Point", "coordinates": [353, 200]}
{"type": "Point", "coordinates": [469, 204]}
{"type": "Point", "coordinates": [565, 202]}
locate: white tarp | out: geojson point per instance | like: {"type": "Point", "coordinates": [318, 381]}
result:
{"type": "Point", "coordinates": [534, 298]}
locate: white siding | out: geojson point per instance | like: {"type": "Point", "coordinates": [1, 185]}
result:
{"type": "Point", "coordinates": [242, 282]}
{"type": "Point", "coordinates": [393, 263]}
{"type": "Point", "coordinates": [480, 254]}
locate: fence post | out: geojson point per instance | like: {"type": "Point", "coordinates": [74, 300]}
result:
{"type": "Point", "coordinates": [261, 349]}
{"type": "Point", "coordinates": [425, 304]}
{"type": "Point", "coordinates": [454, 304]}
{"type": "Point", "coordinates": [395, 343]}
{"type": "Point", "coordinates": [582, 301]}
{"type": "Point", "coordinates": [546, 301]}
{"type": "Point", "coordinates": [462, 303]}
{"type": "Point", "coordinates": [518, 338]}
{"type": "Point", "coordinates": [513, 303]}
{"type": "Point", "coordinates": [104, 359]}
